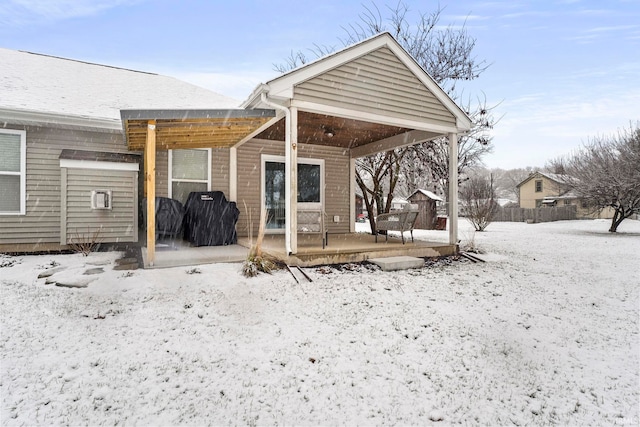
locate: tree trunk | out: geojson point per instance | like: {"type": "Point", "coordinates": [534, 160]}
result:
{"type": "Point", "coordinates": [618, 217]}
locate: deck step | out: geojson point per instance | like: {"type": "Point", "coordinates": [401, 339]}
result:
{"type": "Point", "coordinates": [397, 263]}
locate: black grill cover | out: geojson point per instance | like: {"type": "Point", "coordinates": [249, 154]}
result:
{"type": "Point", "coordinates": [210, 220]}
{"type": "Point", "coordinates": [169, 216]}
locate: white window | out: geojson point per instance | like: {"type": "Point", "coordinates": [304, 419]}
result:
{"type": "Point", "coordinates": [13, 153]}
{"type": "Point", "coordinates": [189, 170]}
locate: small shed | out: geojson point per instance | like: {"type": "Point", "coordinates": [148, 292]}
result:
{"type": "Point", "coordinates": [428, 214]}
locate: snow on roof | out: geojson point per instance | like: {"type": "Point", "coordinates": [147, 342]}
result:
{"type": "Point", "coordinates": [427, 193]}
{"type": "Point", "coordinates": [504, 202]}
{"type": "Point", "coordinates": [558, 178]}
{"type": "Point", "coordinates": [31, 82]}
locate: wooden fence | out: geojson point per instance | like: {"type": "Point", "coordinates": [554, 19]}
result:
{"type": "Point", "coordinates": [561, 213]}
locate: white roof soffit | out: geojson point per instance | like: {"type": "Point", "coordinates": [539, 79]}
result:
{"type": "Point", "coordinates": [282, 87]}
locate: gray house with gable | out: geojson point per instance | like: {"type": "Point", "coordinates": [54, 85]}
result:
{"type": "Point", "coordinates": [83, 144]}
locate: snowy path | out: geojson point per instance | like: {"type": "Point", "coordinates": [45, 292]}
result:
{"type": "Point", "coordinates": [545, 332]}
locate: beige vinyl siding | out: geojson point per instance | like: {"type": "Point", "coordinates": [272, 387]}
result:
{"type": "Point", "coordinates": [336, 182]}
{"type": "Point", "coordinates": [118, 224]}
{"type": "Point", "coordinates": [249, 182]}
{"type": "Point", "coordinates": [376, 83]}
{"type": "Point", "coordinates": [220, 170]}
{"type": "Point", "coordinates": [39, 228]}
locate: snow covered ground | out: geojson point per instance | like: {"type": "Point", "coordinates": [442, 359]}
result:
{"type": "Point", "coordinates": [545, 332]}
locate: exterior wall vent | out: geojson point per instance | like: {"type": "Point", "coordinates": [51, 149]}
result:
{"type": "Point", "coordinates": [101, 199]}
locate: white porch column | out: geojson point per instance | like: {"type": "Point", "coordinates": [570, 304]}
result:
{"type": "Point", "coordinates": [453, 188]}
{"type": "Point", "coordinates": [292, 168]}
{"type": "Point", "coordinates": [352, 195]}
{"type": "Point", "coordinates": [233, 174]}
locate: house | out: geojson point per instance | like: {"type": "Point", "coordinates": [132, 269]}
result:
{"type": "Point", "coordinates": [289, 148]}
{"type": "Point", "coordinates": [61, 139]}
{"type": "Point", "coordinates": [544, 189]}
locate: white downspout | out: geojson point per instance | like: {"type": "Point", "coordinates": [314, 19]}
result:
{"type": "Point", "coordinates": [287, 167]}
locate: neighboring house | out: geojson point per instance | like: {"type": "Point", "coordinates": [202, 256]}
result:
{"type": "Point", "coordinates": [543, 189]}
{"type": "Point", "coordinates": [81, 135]}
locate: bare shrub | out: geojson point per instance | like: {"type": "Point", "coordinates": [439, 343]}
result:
{"type": "Point", "coordinates": [256, 261]}
{"type": "Point", "coordinates": [478, 199]}
{"type": "Point", "coordinates": [85, 243]}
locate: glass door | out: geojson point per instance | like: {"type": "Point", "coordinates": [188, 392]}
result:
{"type": "Point", "coordinates": [310, 185]}
{"type": "Point", "coordinates": [274, 194]}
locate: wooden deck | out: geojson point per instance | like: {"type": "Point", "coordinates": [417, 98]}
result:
{"type": "Point", "coordinates": [349, 247]}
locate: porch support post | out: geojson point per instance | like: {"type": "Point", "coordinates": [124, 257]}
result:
{"type": "Point", "coordinates": [291, 160]}
{"type": "Point", "coordinates": [453, 188]}
{"type": "Point", "coordinates": [150, 185]}
{"type": "Point", "coordinates": [233, 174]}
{"type": "Point", "coordinates": [352, 195]}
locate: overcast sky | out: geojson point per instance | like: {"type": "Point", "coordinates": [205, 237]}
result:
{"type": "Point", "coordinates": [561, 71]}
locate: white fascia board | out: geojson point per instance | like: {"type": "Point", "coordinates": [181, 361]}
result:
{"type": "Point", "coordinates": [90, 164]}
{"type": "Point", "coordinates": [26, 117]}
{"type": "Point", "coordinates": [254, 99]}
{"type": "Point", "coordinates": [348, 113]}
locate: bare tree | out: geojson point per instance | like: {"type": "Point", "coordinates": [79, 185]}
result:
{"type": "Point", "coordinates": [478, 201]}
{"type": "Point", "coordinates": [374, 175]}
{"type": "Point", "coordinates": [606, 173]}
{"type": "Point", "coordinates": [513, 177]}
{"type": "Point", "coordinates": [445, 53]}
{"type": "Point", "coordinates": [433, 156]}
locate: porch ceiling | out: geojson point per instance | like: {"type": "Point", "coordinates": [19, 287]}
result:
{"type": "Point", "coordinates": [333, 131]}
{"type": "Point", "coordinates": [177, 129]}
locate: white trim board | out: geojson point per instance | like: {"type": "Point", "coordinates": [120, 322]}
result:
{"type": "Point", "coordinates": [92, 164]}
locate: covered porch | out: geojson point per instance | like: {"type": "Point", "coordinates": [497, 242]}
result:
{"type": "Point", "coordinates": [369, 98]}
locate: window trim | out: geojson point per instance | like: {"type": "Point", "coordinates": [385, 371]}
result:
{"type": "Point", "coordinates": [170, 179]}
{"type": "Point", "coordinates": [264, 158]}
{"type": "Point", "coordinates": [536, 182]}
{"type": "Point", "coordinates": [22, 173]}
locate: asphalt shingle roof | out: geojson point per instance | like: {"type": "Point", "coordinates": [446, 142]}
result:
{"type": "Point", "coordinates": [46, 84]}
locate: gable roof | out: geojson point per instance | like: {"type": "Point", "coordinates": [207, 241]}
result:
{"type": "Point", "coordinates": [284, 86]}
{"type": "Point", "coordinates": [428, 194]}
{"type": "Point", "coordinates": [557, 178]}
{"type": "Point", "coordinates": [39, 88]}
